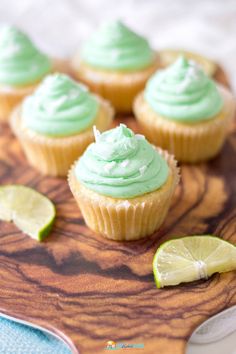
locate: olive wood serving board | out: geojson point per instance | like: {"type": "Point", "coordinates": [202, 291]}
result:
{"type": "Point", "coordinates": [90, 290]}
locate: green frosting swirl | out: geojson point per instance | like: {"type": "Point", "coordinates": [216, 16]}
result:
{"type": "Point", "coordinates": [121, 164]}
{"type": "Point", "coordinates": [183, 93]}
{"type": "Point", "coordinates": [116, 47]}
{"type": "Point", "coordinates": [59, 107]}
{"type": "Point", "coordinates": [20, 61]}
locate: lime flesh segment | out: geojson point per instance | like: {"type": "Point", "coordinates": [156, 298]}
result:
{"type": "Point", "coordinates": [192, 258]}
{"type": "Point", "coordinates": [30, 211]}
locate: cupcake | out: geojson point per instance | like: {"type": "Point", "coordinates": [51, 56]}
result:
{"type": "Point", "coordinates": [55, 124]}
{"type": "Point", "coordinates": [22, 66]}
{"type": "Point", "coordinates": [184, 111]}
{"type": "Point", "coordinates": [123, 185]}
{"type": "Point", "coordinates": [116, 63]}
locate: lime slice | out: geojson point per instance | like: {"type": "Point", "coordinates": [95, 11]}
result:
{"type": "Point", "coordinates": [32, 212]}
{"type": "Point", "coordinates": [191, 258]}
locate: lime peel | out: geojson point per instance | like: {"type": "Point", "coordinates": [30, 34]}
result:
{"type": "Point", "coordinates": [31, 212]}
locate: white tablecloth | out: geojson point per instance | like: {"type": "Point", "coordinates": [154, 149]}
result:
{"type": "Point", "coordinates": [59, 26]}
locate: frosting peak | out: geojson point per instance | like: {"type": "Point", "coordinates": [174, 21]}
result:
{"type": "Point", "coordinates": [59, 107]}
{"type": "Point", "coordinates": [116, 47]}
{"type": "Point", "coordinates": [121, 164]}
{"type": "Point", "coordinates": [115, 144]}
{"type": "Point", "coordinates": [183, 92]}
{"type": "Point", "coordinates": [181, 62]}
{"type": "Point", "coordinates": [21, 63]}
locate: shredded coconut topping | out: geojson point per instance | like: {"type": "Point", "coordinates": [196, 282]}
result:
{"type": "Point", "coordinates": [142, 169]}
{"type": "Point", "coordinates": [56, 104]}
{"type": "Point", "coordinates": [192, 73]}
{"type": "Point", "coordinates": [96, 133]}
{"type": "Point", "coordinates": [72, 94]}
{"type": "Point", "coordinates": [125, 163]}
{"type": "Point", "coordinates": [109, 165]}
{"type": "Point", "coordinates": [140, 136]}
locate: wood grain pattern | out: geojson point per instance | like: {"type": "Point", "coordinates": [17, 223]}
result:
{"type": "Point", "coordinates": [93, 290]}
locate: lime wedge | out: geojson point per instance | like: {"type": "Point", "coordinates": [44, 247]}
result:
{"type": "Point", "coordinates": [30, 211]}
{"type": "Point", "coordinates": [191, 258]}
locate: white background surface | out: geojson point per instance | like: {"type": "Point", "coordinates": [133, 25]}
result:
{"type": "Point", "coordinates": [205, 26]}
{"type": "Point", "coordinates": [59, 26]}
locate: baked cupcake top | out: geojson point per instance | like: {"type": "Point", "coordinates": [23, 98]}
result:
{"type": "Point", "coordinates": [183, 93]}
{"type": "Point", "coordinates": [121, 164]}
{"type": "Point", "coordinates": [59, 107]}
{"type": "Point", "coordinates": [115, 47]}
{"type": "Point", "coordinates": [21, 63]}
